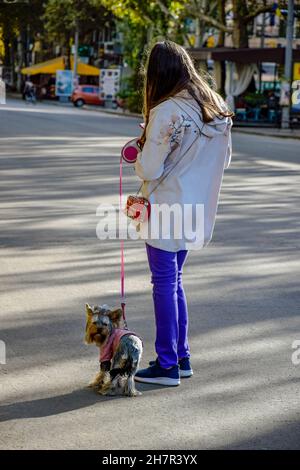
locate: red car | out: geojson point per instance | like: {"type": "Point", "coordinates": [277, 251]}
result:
{"type": "Point", "coordinates": [86, 94]}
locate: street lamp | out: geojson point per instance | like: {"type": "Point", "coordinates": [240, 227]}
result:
{"type": "Point", "coordinates": [285, 116]}
{"type": "Point", "coordinates": [75, 52]}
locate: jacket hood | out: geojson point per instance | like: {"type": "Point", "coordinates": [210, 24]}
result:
{"type": "Point", "coordinates": [218, 126]}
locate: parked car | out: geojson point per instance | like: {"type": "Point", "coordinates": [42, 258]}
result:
{"type": "Point", "coordinates": [86, 94]}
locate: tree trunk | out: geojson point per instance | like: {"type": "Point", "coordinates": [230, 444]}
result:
{"type": "Point", "coordinates": [240, 32]}
{"type": "Point", "coordinates": [220, 70]}
{"type": "Point", "coordinates": [67, 50]}
{"type": "Point", "coordinates": [12, 60]}
{"type": "Point", "coordinates": [222, 19]}
{"type": "Point", "coordinates": [19, 61]}
{"type": "Point", "coordinates": [7, 40]}
{"type": "Point", "coordinates": [6, 60]}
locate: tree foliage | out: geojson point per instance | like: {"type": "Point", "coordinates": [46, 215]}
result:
{"type": "Point", "coordinates": [15, 20]}
{"type": "Point", "coordinates": [63, 16]}
{"type": "Point", "coordinates": [140, 21]}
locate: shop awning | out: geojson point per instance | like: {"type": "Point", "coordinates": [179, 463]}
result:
{"type": "Point", "coordinates": [243, 56]}
{"type": "Point", "coordinates": [48, 67]}
{"type": "Point", "coordinates": [51, 66]}
{"type": "Point", "coordinates": [85, 69]}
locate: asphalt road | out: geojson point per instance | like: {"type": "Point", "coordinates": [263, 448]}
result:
{"type": "Point", "coordinates": [57, 165]}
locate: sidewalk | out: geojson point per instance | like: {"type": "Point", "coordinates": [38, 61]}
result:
{"type": "Point", "coordinates": [269, 132]}
{"type": "Point", "coordinates": [263, 131]}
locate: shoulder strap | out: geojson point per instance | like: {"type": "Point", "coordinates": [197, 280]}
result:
{"type": "Point", "coordinates": [175, 100]}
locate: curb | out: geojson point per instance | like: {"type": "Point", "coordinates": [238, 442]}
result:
{"type": "Point", "coordinates": [86, 107]}
{"type": "Point", "coordinates": [108, 111]}
{"type": "Point", "coordinates": [265, 134]}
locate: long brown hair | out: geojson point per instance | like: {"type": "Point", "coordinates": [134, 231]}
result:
{"type": "Point", "coordinates": [169, 70]}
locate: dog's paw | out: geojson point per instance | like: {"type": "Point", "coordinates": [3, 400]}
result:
{"type": "Point", "coordinates": [91, 385]}
{"type": "Point", "coordinates": [133, 393]}
{"type": "Point", "coordinates": [103, 392]}
{"type": "Point", "coordinates": [94, 385]}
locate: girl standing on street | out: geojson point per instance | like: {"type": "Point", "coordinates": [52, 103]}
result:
{"type": "Point", "coordinates": [186, 145]}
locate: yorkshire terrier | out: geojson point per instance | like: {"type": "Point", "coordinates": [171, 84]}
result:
{"type": "Point", "coordinates": [120, 351]}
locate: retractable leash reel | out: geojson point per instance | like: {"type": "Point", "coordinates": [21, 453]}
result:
{"type": "Point", "coordinates": [130, 150]}
{"type": "Point", "coordinates": [129, 154]}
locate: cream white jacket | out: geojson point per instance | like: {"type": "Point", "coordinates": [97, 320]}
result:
{"type": "Point", "coordinates": [194, 183]}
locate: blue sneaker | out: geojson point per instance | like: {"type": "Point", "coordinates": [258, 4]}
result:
{"type": "Point", "coordinates": [185, 368]}
{"type": "Point", "coordinates": [156, 374]}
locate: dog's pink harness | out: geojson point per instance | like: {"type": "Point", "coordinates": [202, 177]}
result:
{"type": "Point", "coordinates": [109, 348]}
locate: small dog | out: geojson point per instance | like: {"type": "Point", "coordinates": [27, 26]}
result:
{"type": "Point", "coordinates": [120, 350]}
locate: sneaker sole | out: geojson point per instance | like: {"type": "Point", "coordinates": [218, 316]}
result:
{"type": "Point", "coordinates": [185, 374]}
{"type": "Point", "coordinates": [159, 381]}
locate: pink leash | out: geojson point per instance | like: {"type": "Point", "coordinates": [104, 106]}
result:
{"type": "Point", "coordinates": [123, 303]}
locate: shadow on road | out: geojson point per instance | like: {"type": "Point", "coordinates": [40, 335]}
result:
{"type": "Point", "coordinates": [65, 403]}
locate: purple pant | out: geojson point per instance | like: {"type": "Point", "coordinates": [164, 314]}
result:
{"type": "Point", "coordinates": [171, 314]}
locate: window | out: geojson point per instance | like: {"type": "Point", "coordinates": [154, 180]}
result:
{"type": "Point", "coordinates": [88, 89]}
